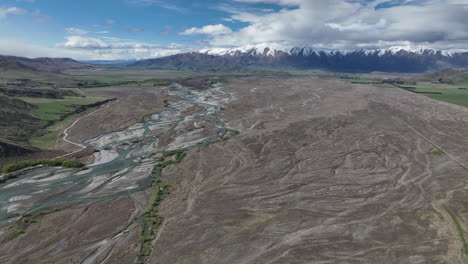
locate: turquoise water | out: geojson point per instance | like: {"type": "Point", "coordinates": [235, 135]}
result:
{"type": "Point", "coordinates": [127, 171]}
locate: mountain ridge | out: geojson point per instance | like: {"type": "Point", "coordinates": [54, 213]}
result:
{"type": "Point", "coordinates": [273, 49]}
{"type": "Point", "coordinates": [396, 59]}
{"type": "Point", "coordinates": [45, 64]}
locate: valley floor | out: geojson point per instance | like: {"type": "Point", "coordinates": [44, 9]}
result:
{"type": "Point", "coordinates": [323, 171]}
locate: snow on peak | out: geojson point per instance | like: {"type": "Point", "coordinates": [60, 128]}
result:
{"type": "Point", "coordinates": [307, 51]}
{"type": "Point", "coordinates": [418, 49]}
{"type": "Point", "coordinates": [272, 49]}
{"type": "Point", "coordinates": [265, 49]}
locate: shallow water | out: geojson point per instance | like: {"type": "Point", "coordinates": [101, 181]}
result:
{"type": "Point", "coordinates": [121, 167]}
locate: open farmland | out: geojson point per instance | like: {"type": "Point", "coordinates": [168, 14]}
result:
{"type": "Point", "coordinates": [53, 109]}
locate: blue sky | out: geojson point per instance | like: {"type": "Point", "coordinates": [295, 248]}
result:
{"type": "Point", "coordinates": [140, 20]}
{"type": "Point", "coordinates": [135, 29]}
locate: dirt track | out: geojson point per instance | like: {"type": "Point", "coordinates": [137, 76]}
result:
{"type": "Point", "coordinates": [134, 103]}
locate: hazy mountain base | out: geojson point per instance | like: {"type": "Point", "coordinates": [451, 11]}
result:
{"type": "Point", "coordinates": [357, 61]}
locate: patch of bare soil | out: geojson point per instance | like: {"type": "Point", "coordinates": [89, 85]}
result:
{"type": "Point", "coordinates": [322, 172]}
{"type": "Point", "coordinates": [94, 214]}
{"type": "Point", "coordinates": [198, 83]}
{"type": "Point", "coordinates": [101, 232]}
{"type": "Point", "coordinates": [133, 105]}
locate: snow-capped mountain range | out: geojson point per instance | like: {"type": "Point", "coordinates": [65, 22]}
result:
{"type": "Point", "coordinates": [274, 49]}
{"type": "Point", "coordinates": [394, 59]}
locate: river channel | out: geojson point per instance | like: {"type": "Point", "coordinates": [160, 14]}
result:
{"type": "Point", "coordinates": [125, 159]}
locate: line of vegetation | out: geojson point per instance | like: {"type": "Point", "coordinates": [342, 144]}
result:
{"type": "Point", "coordinates": [25, 220]}
{"type": "Point", "coordinates": [135, 141]}
{"type": "Point", "coordinates": [23, 224]}
{"type": "Point", "coordinates": [365, 82]}
{"type": "Point", "coordinates": [461, 232]}
{"type": "Point", "coordinates": [435, 152]}
{"type": "Point", "coordinates": [151, 220]}
{"type": "Point", "coordinates": [216, 80]}
{"type": "Point", "coordinates": [414, 90]}
{"type": "Point", "coordinates": [162, 83]}
{"type": "Point", "coordinates": [384, 85]}
{"type": "Point", "coordinates": [14, 167]}
{"type": "Point", "coordinates": [229, 133]}
{"type": "Point", "coordinates": [96, 83]}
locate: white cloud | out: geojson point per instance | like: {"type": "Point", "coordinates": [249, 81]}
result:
{"type": "Point", "coordinates": [79, 42]}
{"type": "Point", "coordinates": [110, 22]}
{"type": "Point", "coordinates": [219, 29]}
{"type": "Point", "coordinates": [340, 24]}
{"type": "Point", "coordinates": [161, 3]}
{"type": "Point", "coordinates": [280, 2]}
{"type": "Point", "coordinates": [16, 47]}
{"type": "Point", "coordinates": [5, 11]}
{"type": "Point", "coordinates": [81, 49]}
{"type": "Point", "coordinates": [76, 31]}
{"type": "Point", "coordinates": [37, 14]}
{"type": "Point", "coordinates": [109, 48]}
{"type": "Point", "coordinates": [322, 24]}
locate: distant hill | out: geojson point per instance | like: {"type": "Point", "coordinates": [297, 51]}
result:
{"type": "Point", "coordinates": [40, 64]}
{"type": "Point", "coordinates": [396, 59]}
{"type": "Point", "coordinates": [16, 123]}
{"type": "Point", "coordinates": [8, 148]}
{"type": "Point", "coordinates": [449, 76]}
{"type": "Point", "coordinates": [109, 62]}
{"type": "Point", "coordinates": [194, 61]}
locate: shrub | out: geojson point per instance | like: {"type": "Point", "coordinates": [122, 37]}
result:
{"type": "Point", "coordinates": [72, 164]}
{"type": "Point", "coordinates": [216, 81]}
{"type": "Point", "coordinates": [46, 162]}
{"type": "Point", "coordinates": [162, 83]}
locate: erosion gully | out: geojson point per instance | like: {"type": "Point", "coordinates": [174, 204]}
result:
{"type": "Point", "coordinates": [125, 159]}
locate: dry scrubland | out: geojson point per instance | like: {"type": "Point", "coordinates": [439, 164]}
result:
{"type": "Point", "coordinates": [323, 171]}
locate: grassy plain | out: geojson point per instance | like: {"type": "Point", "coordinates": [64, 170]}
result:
{"type": "Point", "coordinates": [54, 109]}
{"type": "Point", "coordinates": [455, 93]}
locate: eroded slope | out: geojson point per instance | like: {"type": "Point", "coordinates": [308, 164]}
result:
{"type": "Point", "coordinates": [323, 172]}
